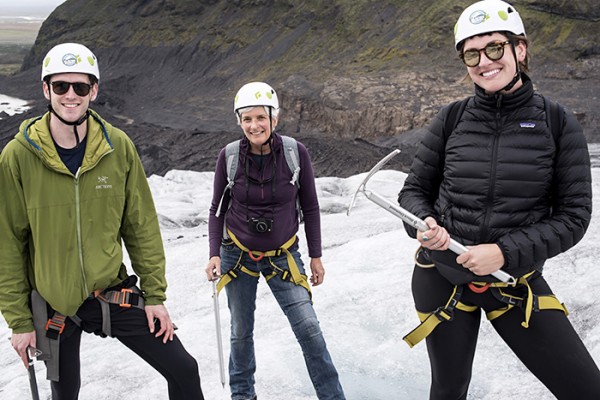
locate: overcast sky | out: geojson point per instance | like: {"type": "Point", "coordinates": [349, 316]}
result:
{"type": "Point", "coordinates": [28, 8]}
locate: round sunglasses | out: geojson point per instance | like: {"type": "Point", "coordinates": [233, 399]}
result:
{"type": "Point", "coordinates": [80, 88]}
{"type": "Point", "coordinates": [493, 51]}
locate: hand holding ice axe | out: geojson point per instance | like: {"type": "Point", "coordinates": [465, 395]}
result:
{"type": "Point", "coordinates": [32, 353]}
{"type": "Point", "coordinates": [409, 218]}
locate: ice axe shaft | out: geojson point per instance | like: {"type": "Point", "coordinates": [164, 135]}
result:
{"type": "Point", "coordinates": [410, 218]}
{"type": "Point", "coordinates": [35, 395]}
{"type": "Point", "coordinates": [31, 353]}
{"type": "Point", "coordinates": [218, 331]}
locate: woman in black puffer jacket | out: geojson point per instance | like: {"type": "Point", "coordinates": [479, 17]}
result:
{"type": "Point", "coordinates": [517, 192]}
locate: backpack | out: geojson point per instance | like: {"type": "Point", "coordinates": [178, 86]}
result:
{"type": "Point", "coordinates": [292, 159]}
{"type": "Point", "coordinates": [554, 117]}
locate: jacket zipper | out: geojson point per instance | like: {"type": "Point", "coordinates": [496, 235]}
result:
{"type": "Point", "coordinates": [80, 172]}
{"type": "Point", "coordinates": [79, 239]}
{"type": "Point", "coordinates": [492, 180]}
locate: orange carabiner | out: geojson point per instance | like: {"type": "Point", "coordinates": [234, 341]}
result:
{"type": "Point", "coordinates": [478, 289]}
{"type": "Point", "coordinates": [256, 258]}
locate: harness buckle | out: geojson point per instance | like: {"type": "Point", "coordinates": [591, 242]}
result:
{"type": "Point", "coordinates": [55, 326]}
{"type": "Point", "coordinates": [536, 303]}
{"type": "Point", "coordinates": [449, 311]}
{"type": "Point", "coordinates": [125, 298]}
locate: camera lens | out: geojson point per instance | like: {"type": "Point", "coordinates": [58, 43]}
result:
{"type": "Point", "coordinates": [262, 227]}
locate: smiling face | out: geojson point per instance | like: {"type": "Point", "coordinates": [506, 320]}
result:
{"type": "Point", "coordinates": [70, 106]}
{"type": "Point", "coordinates": [256, 127]}
{"type": "Point", "coordinates": [491, 75]}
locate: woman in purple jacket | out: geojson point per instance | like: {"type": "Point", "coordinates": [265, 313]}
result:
{"type": "Point", "coordinates": [257, 235]}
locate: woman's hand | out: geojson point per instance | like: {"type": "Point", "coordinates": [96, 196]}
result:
{"type": "Point", "coordinates": [482, 259]}
{"type": "Point", "coordinates": [317, 270]}
{"type": "Point", "coordinates": [213, 269]}
{"type": "Point", "coordinates": [436, 238]}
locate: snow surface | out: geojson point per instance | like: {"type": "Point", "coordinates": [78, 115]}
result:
{"type": "Point", "coordinates": [365, 308]}
{"type": "Point", "coordinates": [12, 105]}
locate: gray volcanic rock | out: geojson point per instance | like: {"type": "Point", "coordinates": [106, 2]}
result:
{"type": "Point", "coordinates": [355, 79]}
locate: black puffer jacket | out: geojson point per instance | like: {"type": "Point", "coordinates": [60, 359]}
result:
{"type": "Point", "coordinates": [501, 178]}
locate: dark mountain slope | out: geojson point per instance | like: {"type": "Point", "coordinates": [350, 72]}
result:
{"type": "Point", "coordinates": [349, 73]}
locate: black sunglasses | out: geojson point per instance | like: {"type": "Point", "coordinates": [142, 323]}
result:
{"type": "Point", "coordinates": [493, 51]}
{"type": "Point", "coordinates": [80, 88]}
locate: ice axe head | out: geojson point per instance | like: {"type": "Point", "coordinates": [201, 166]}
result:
{"type": "Point", "coordinates": [363, 185]}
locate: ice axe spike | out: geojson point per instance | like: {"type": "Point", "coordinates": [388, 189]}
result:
{"type": "Point", "coordinates": [409, 218]}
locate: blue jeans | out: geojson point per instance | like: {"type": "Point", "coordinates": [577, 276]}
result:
{"type": "Point", "coordinates": [295, 302]}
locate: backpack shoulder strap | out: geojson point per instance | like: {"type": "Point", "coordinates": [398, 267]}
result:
{"type": "Point", "coordinates": [290, 151]}
{"type": "Point", "coordinates": [232, 156]}
{"type": "Point", "coordinates": [292, 158]}
{"type": "Point", "coordinates": [555, 118]}
{"type": "Point", "coordinates": [453, 117]}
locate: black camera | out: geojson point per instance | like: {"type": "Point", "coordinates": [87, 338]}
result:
{"type": "Point", "coordinates": [260, 225]}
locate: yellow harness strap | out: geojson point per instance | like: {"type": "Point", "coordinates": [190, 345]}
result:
{"type": "Point", "coordinates": [532, 303]}
{"type": "Point", "coordinates": [429, 321]}
{"type": "Point", "coordinates": [296, 277]}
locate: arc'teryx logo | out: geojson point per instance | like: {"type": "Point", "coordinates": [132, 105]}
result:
{"type": "Point", "coordinates": [103, 183]}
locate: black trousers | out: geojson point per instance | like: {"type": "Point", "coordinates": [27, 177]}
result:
{"type": "Point", "coordinates": [550, 348]}
{"type": "Point", "coordinates": [130, 327]}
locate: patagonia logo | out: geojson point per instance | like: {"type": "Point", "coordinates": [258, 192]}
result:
{"type": "Point", "coordinates": [103, 183]}
{"type": "Point", "coordinates": [527, 124]}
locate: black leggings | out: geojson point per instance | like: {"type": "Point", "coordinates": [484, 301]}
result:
{"type": "Point", "coordinates": [130, 327]}
{"type": "Point", "coordinates": [550, 348]}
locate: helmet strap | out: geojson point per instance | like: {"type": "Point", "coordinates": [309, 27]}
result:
{"type": "Point", "coordinates": [270, 138]}
{"type": "Point", "coordinates": [74, 124]}
{"type": "Point", "coordinates": [517, 76]}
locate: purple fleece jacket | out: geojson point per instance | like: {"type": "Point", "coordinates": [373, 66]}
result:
{"type": "Point", "coordinates": [275, 198]}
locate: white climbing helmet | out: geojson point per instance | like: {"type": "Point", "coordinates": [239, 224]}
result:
{"type": "Point", "coordinates": [255, 94]}
{"type": "Point", "coordinates": [485, 17]}
{"type": "Point", "coordinates": [70, 57]}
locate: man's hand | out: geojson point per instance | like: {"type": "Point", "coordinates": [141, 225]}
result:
{"type": "Point", "coordinates": [160, 313]}
{"type": "Point", "coordinates": [21, 342]}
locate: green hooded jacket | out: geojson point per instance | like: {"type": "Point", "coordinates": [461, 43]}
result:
{"type": "Point", "coordinates": [62, 234]}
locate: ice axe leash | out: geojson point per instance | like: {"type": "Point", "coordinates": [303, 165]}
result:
{"type": "Point", "coordinates": [409, 218]}
{"type": "Point", "coordinates": [218, 331]}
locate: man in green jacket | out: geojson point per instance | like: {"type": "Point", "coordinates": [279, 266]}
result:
{"type": "Point", "coordinates": [73, 189]}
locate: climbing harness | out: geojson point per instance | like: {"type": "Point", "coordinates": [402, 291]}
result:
{"type": "Point", "coordinates": [48, 330]}
{"type": "Point", "coordinates": [529, 303]}
{"type": "Point", "coordinates": [292, 275]}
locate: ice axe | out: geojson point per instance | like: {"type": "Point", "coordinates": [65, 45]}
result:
{"type": "Point", "coordinates": [218, 329]}
{"type": "Point", "coordinates": [409, 218]}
